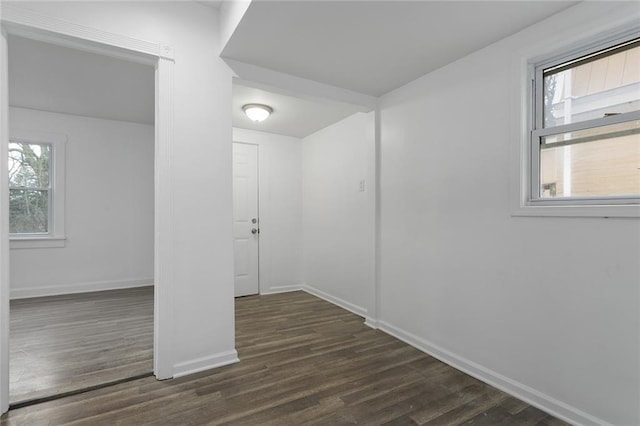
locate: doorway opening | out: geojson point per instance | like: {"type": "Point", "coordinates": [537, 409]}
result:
{"type": "Point", "coordinates": [23, 23]}
{"type": "Point", "coordinates": [81, 219]}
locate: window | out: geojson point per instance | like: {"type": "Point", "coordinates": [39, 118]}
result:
{"type": "Point", "coordinates": [585, 137]}
{"type": "Point", "coordinates": [29, 188]}
{"type": "Point", "coordinates": [36, 192]}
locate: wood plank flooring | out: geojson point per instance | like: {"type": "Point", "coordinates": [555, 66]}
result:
{"type": "Point", "coordinates": [303, 362]}
{"type": "Point", "coordinates": [64, 343]}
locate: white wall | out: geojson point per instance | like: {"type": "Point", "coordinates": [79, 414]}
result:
{"type": "Point", "coordinates": [201, 331]}
{"type": "Point", "coordinates": [231, 13]}
{"type": "Point", "coordinates": [547, 308]}
{"type": "Point", "coordinates": [280, 207]}
{"type": "Point", "coordinates": [108, 211]}
{"type": "Point", "coordinates": [338, 227]}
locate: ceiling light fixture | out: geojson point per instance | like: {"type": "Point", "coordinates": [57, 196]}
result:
{"type": "Point", "coordinates": [257, 112]}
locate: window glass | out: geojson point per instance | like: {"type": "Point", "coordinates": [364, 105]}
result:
{"type": "Point", "coordinates": [586, 136]}
{"type": "Point", "coordinates": [597, 162]}
{"type": "Point", "coordinates": [28, 211]}
{"type": "Point", "coordinates": [592, 87]}
{"type": "Point", "coordinates": [29, 188]}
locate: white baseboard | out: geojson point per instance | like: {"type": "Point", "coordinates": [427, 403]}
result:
{"type": "Point", "coordinates": [205, 363]}
{"type": "Point", "coordinates": [55, 290]}
{"type": "Point", "coordinates": [358, 310]}
{"type": "Point", "coordinates": [281, 289]}
{"type": "Point", "coordinates": [370, 322]}
{"type": "Point", "coordinates": [533, 397]}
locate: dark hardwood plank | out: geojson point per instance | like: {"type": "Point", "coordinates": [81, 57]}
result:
{"type": "Point", "coordinates": [303, 361]}
{"type": "Point", "coordinates": [64, 343]}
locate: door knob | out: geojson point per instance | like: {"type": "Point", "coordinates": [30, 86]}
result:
{"type": "Point", "coordinates": [254, 231]}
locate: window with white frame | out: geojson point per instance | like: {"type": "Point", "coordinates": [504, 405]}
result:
{"type": "Point", "coordinates": [30, 190]}
{"type": "Point", "coordinates": [585, 136]}
{"type": "Point", "coordinates": [36, 192]}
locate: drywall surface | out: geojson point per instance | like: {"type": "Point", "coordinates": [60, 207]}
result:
{"type": "Point", "coordinates": [231, 13]}
{"type": "Point", "coordinates": [202, 326]}
{"type": "Point", "coordinates": [280, 207]}
{"type": "Point", "coordinates": [108, 211]}
{"type": "Point", "coordinates": [338, 213]}
{"type": "Point", "coordinates": [547, 308]}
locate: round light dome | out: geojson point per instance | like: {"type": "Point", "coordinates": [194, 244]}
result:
{"type": "Point", "coordinates": [257, 112]}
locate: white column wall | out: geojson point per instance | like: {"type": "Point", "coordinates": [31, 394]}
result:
{"type": "Point", "coordinates": [4, 227]}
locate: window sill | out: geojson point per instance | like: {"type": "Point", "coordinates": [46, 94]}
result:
{"type": "Point", "coordinates": [604, 211]}
{"type": "Point", "coordinates": [36, 242]}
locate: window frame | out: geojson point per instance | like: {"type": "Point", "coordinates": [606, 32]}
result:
{"type": "Point", "coordinates": [55, 237]}
{"type": "Point", "coordinates": [527, 122]}
{"type": "Point", "coordinates": [538, 130]}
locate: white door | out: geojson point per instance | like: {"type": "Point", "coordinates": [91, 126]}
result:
{"type": "Point", "coordinates": [245, 218]}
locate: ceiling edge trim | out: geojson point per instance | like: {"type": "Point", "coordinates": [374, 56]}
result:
{"type": "Point", "coordinates": [20, 20]}
{"type": "Point", "coordinates": [287, 84]}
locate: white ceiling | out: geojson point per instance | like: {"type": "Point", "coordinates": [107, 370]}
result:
{"type": "Point", "coordinates": [292, 116]}
{"type": "Point", "coordinates": [369, 47]}
{"type": "Point", "coordinates": [52, 78]}
{"type": "Point", "coordinates": [211, 3]}
{"type": "Point", "coordinates": [373, 47]}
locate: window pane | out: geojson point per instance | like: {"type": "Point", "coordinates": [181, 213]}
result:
{"type": "Point", "coordinates": [603, 161]}
{"type": "Point", "coordinates": [590, 89]}
{"type": "Point", "coordinates": [28, 211]}
{"type": "Point", "coordinates": [29, 165]}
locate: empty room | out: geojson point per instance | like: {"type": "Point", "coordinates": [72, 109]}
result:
{"type": "Point", "coordinates": [81, 220]}
{"type": "Point", "coordinates": [342, 212]}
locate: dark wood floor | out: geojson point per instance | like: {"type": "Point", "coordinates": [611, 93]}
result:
{"type": "Point", "coordinates": [64, 343]}
{"type": "Point", "coordinates": [303, 361]}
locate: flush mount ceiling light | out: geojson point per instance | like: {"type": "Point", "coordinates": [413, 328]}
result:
{"type": "Point", "coordinates": [257, 112]}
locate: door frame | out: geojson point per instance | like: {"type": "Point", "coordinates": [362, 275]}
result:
{"type": "Point", "coordinates": [22, 22]}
